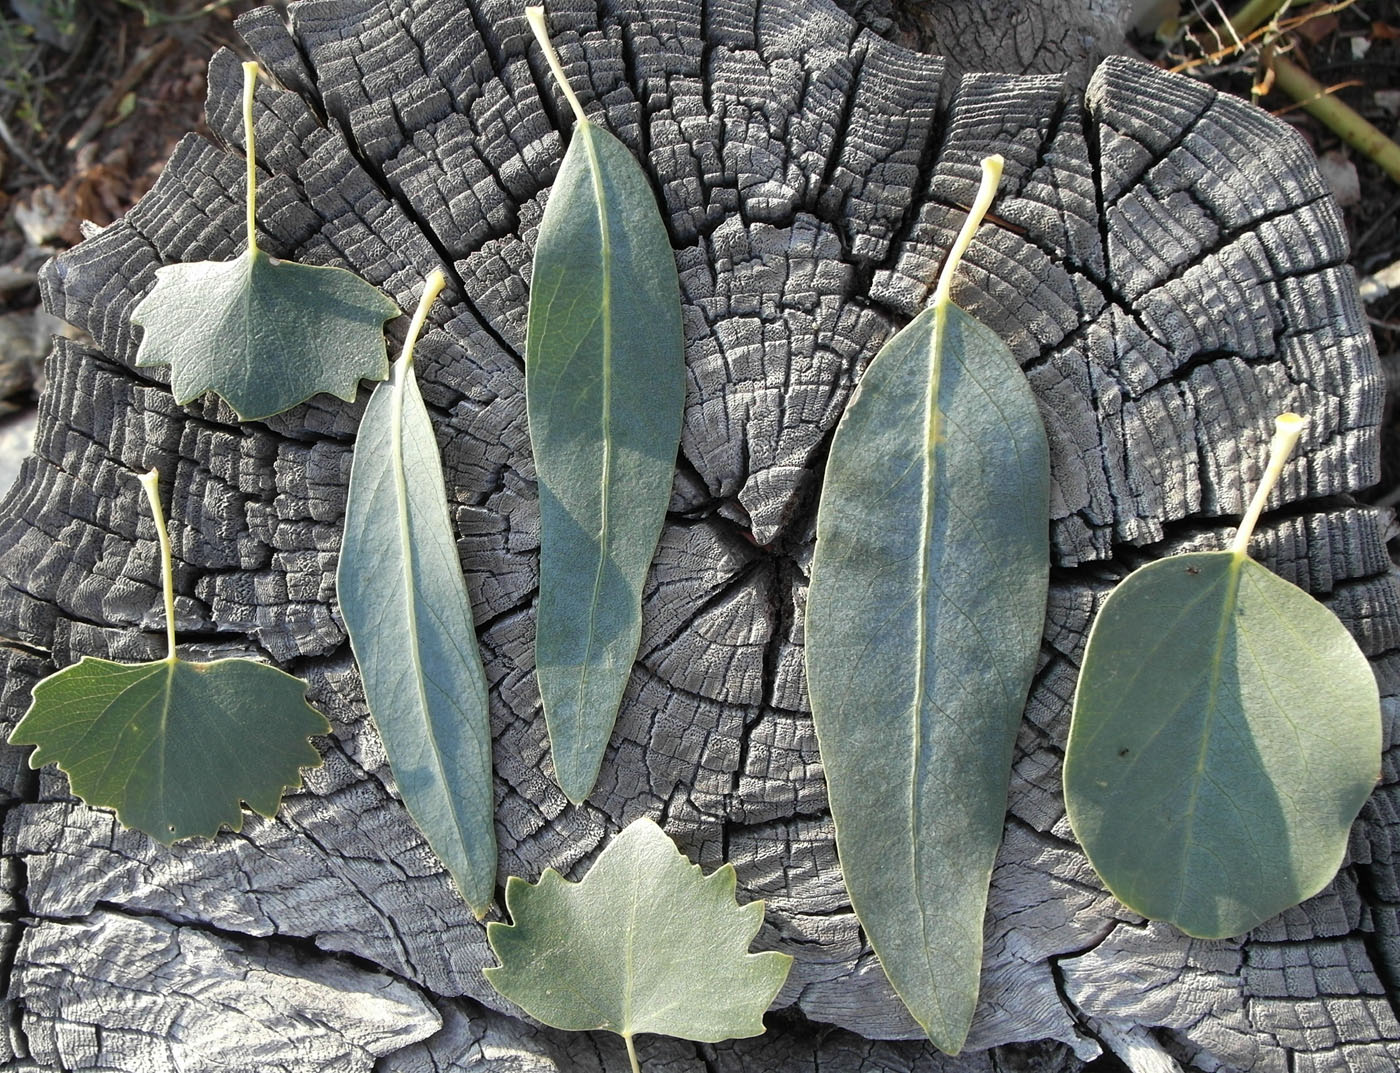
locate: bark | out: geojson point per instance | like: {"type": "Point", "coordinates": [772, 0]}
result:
{"type": "Point", "coordinates": [1168, 268]}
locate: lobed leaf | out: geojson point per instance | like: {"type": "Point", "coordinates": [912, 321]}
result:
{"type": "Point", "coordinates": [173, 746]}
{"type": "Point", "coordinates": [263, 334]}
{"type": "Point", "coordinates": [644, 943]}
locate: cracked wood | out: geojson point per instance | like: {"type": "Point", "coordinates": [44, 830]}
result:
{"type": "Point", "coordinates": [807, 230]}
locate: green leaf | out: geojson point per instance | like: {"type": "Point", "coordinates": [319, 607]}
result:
{"type": "Point", "coordinates": [924, 618]}
{"type": "Point", "coordinates": [263, 334]}
{"type": "Point", "coordinates": [1226, 732]}
{"type": "Point", "coordinates": [645, 943]}
{"type": "Point", "coordinates": [173, 746]}
{"type": "Point", "coordinates": [605, 389]}
{"type": "Point", "coordinates": [405, 606]}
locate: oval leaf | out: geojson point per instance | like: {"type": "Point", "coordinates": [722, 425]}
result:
{"type": "Point", "coordinates": [604, 388]}
{"type": "Point", "coordinates": [924, 618]}
{"type": "Point", "coordinates": [1229, 716]}
{"type": "Point", "coordinates": [174, 746]}
{"type": "Point", "coordinates": [405, 605]}
{"type": "Point", "coordinates": [645, 943]}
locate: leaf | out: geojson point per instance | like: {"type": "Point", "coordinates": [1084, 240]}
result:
{"type": "Point", "coordinates": [263, 334]}
{"type": "Point", "coordinates": [173, 746]}
{"type": "Point", "coordinates": [1232, 716]}
{"type": "Point", "coordinates": [645, 943]}
{"type": "Point", "coordinates": [405, 606]}
{"type": "Point", "coordinates": [604, 389]}
{"type": "Point", "coordinates": [924, 617]}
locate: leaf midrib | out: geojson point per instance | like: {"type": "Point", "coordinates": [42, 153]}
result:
{"type": "Point", "coordinates": [1227, 610]}
{"type": "Point", "coordinates": [932, 437]}
{"type": "Point", "coordinates": [403, 369]}
{"type": "Point", "coordinates": [585, 131]}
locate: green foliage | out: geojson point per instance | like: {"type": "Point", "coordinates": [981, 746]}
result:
{"type": "Point", "coordinates": [924, 618]}
{"type": "Point", "coordinates": [605, 387]}
{"type": "Point", "coordinates": [173, 746]}
{"type": "Point", "coordinates": [263, 334]}
{"type": "Point", "coordinates": [644, 943]}
{"type": "Point", "coordinates": [1226, 732]}
{"type": "Point", "coordinates": [406, 609]}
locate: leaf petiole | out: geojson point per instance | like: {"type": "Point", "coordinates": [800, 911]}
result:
{"type": "Point", "coordinates": [431, 289]}
{"type": "Point", "coordinates": [535, 17]}
{"type": "Point", "coordinates": [1287, 428]}
{"type": "Point", "coordinates": [942, 295]}
{"type": "Point", "coordinates": [632, 1052]}
{"type": "Point", "coordinates": [986, 193]}
{"type": "Point", "coordinates": [250, 81]}
{"type": "Point", "coordinates": [150, 484]}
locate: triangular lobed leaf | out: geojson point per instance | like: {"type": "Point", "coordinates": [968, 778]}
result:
{"type": "Point", "coordinates": [263, 334]}
{"type": "Point", "coordinates": [1226, 732]}
{"type": "Point", "coordinates": [174, 746]}
{"type": "Point", "coordinates": [643, 943]}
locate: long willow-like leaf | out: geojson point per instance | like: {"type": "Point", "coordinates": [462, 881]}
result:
{"type": "Point", "coordinates": [923, 621]}
{"type": "Point", "coordinates": [604, 389]}
{"type": "Point", "coordinates": [410, 623]}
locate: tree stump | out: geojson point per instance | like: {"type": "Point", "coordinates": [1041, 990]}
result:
{"type": "Point", "coordinates": [1167, 266]}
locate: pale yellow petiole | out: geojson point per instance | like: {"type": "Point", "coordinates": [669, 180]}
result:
{"type": "Point", "coordinates": [535, 17]}
{"type": "Point", "coordinates": [431, 289]}
{"type": "Point", "coordinates": [942, 300]}
{"type": "Point", "coordinates": [150, 484]}
{"type": "Point", "coordinates": [250, 81]}
{"type": "Point", "coordinates": [1287, 429]}
{"type": "Point", "coordinates": [986, 192]}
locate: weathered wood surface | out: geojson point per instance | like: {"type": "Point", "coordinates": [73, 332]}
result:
{"type": "Point", "coordinates": [1171, 272]}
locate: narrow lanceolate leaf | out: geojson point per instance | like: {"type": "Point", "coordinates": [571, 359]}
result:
{"type": "Point", "coordinates": [261, 333]}
{"type": "Point", "coordinates": [924, 618]}
{"type": "Point", "coordinates": [405, 607]}
{"type": "Point", "coordinates": [604, 388]}
{"type": "Point", "coordinates": [173, 746]}
{"type": "Point", "coordinates": [1226, 733]}
{"type": "Point", "coordinates": [644, 943]}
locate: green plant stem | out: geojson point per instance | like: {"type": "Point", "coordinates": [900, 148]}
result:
{"type": "Point", "coordinates": [632, 1052]}
{"type": "Point", "coordinates": [250, 81]}
{"type": "Point", "coordinates": [1254, 14]}
{"type": "Point", "coordinates": [535, 17]}
{"type": "Point", "coordinates": [1287, 429]}
{"type": "Point", "coordinates": [1338, 116]}
{"type": "Point", "coordinates": [151, 17]}
{"type": "Point", "coordinates": [150, 484]}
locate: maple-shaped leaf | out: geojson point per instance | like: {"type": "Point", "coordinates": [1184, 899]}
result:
{"type": "Point", "coordinates": [262, 333]}
{"type": "Point", "coordinates": [173, 746]}
{"type": "Point", "coordinates": [644, 943]}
